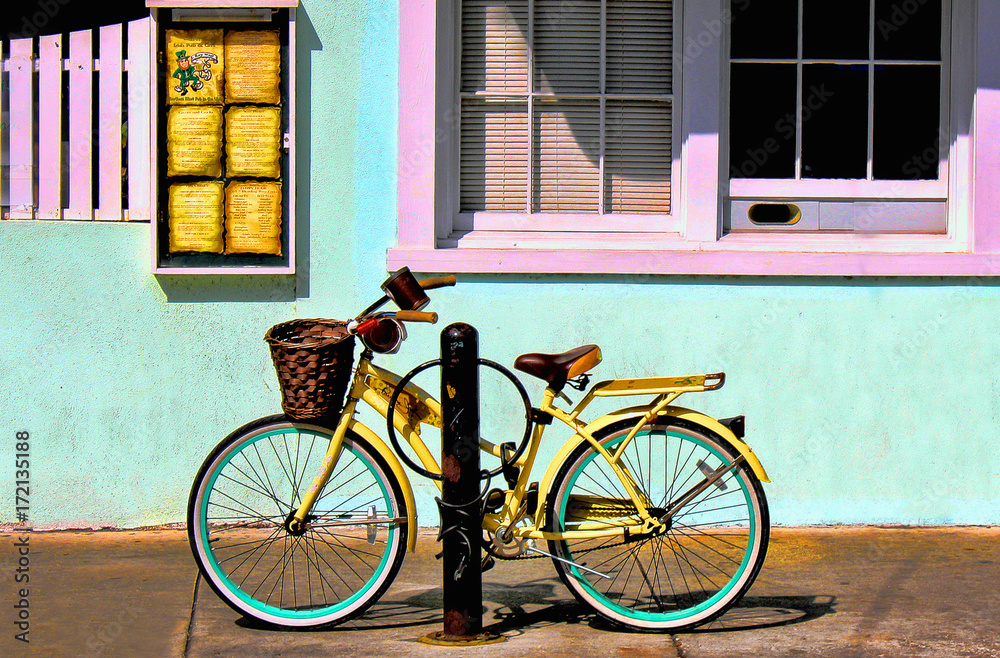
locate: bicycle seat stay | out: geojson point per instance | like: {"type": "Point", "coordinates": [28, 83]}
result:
{"type": "Point", "coordinates": [556, 369]}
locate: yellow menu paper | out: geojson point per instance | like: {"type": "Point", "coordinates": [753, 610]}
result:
{"type": "Point", "coordinates": [253, 66]}
{"type": "Point", "coordinates": [195, 216]}
{"type": "Point", "coordinates": [253, 142]}
{"type": "Point", "coordinates": [194, 141]}
{"type": "Point", "coordinates": [195, 64]}
{"type": "Point", "coordinates": [253, 217]}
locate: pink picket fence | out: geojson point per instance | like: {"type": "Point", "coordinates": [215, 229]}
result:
{"type": "Point", "coordinates": [75, 135]}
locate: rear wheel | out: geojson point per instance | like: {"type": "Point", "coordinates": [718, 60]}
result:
{"type": "Point", "coordinates": [261, 565]}
{"type": "Point", "coordinates": [706, 559]}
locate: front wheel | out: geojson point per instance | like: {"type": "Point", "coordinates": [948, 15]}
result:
{"type": "Point", "coordinates": [263, 567]}
{"type": "Point", "coordinates": [702, 563]}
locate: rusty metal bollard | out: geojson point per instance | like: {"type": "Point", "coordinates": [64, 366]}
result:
{"type": "Point", "coordinates": [460, 504]}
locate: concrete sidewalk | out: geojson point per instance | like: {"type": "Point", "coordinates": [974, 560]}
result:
{"type": "Point", "coordinates": [822, 592]}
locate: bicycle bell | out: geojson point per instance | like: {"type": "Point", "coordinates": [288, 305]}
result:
{"type": "Point", "coordinates": [404, 289]}
{"type": "Point", "coordinates": [385, 337]}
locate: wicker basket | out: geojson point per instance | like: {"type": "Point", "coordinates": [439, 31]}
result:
{"type": "Point", "coordinates": [313, 360]}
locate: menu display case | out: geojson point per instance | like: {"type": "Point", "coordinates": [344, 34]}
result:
{"type": "Point", "coordinates": [223, 86]}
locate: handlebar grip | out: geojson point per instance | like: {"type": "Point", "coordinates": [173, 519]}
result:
{"type": "Point", "coordinates": [417, 316]}
{"type": "Point", "coordinates": [437, 282]}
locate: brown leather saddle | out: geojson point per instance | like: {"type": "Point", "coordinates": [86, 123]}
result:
{"type": "Point", "coordinates": [556, 369]}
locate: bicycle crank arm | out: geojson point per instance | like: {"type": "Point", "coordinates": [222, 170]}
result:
{"type": "Point", "coordinates": [698, 488]}
{"type": "Point", "coordinates": [565, 561]}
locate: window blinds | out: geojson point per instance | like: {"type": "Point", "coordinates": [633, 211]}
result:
{"type": "Point", "coordinates": [566, 107]}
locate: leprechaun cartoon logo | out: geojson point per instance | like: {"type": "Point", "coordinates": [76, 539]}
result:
{"type": "Point", "coordinates": [193, 70]}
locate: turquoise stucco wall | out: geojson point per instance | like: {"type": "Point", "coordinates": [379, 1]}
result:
{"type": "Point", "coordinates": [868, 400]}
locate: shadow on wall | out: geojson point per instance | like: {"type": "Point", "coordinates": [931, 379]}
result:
{"type": "Point", "coordinates": [227, 288]}
{"type": "Point", "coordinates": [307, 42]}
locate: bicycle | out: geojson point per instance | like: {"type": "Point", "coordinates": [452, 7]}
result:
{"type": "Point", "coordinates": [654, 515]}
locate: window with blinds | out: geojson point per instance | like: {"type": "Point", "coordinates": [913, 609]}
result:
{"type": "Point", "coordinates": [566, 107]}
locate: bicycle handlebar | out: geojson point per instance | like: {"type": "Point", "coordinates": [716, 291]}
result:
{"type": "Point", "coordinates": [437, 282]}
{"type": "Point", "coordinates": [417, 316]}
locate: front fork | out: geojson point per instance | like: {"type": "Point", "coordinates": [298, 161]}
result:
{"type": "Point", "coordinates": [296, 522]}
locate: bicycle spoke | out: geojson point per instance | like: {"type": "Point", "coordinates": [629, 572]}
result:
{"type": "Point", "coordinates": [268, 487]}
{"type": "Point", "coordinates": [277, 535]}
{"type": "Point", "coordinates": [260, 487]}
{"type": "Point", "coordinates": [255, 516]}
{"type": "Point", "coordinates": [717, 537]}
{"type": "Point", "coordinates": [341, 557]}
{"type": "Point", "coordinates": [284, 469]}
{"type": "Point", "coordinates": [684, 554]}
{"type": "Point", "coordinates": [338, 538]}
{"type": "Point", "coordinates": [666, 571]}
{"type": "Point", "coordinates": [717, 552]}
{"type": "Point", "coordinates": [248, 553]}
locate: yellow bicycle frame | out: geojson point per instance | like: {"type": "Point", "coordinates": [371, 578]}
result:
{"type": "Point", "coordinates": [414, 407]}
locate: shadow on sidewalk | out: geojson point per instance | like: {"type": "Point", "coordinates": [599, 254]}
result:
{"type": "Point", "coordinates": [757, 612]}
{"type": "Point", "coordinates": [511, 609]}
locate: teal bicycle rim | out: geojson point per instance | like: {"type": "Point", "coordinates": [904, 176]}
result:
{"type": "Point", "coordinates": [685, 612]}
{"type": "Point", "coordinates": [258, 605]}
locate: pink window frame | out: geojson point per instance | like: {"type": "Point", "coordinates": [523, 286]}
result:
{"type": "Point", "coordinates": [971, 250]}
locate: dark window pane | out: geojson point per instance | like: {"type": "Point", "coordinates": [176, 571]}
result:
{"type": "Point", "coordinates": [906, 132]}
{"type": "Point", "coordinates": [762, 121]}
{"type": "Point", "coordinates": [909, 29]}
{"type": "Point", "coordinates": [835, 30]}
{"type": "Point", "coordinates": [834, 121]}
{"type": "Point", "coordinates": [763, 28]}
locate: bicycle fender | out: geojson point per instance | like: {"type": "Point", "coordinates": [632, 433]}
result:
{"type": "Point", "coordinates": [390, 458]}
{"type": "Point", "coordinates": [727, 434]}
{"type": "Point", "coordinates": [689, 415]}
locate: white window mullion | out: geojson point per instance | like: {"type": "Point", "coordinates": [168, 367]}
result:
{"type": "Point", "coordinates": [799, 93]}
{"type": "Point", "coordinates": [602, 90]}
{"type": "Point", "coordinates": [870, 175]}
{"type": "Point", "coordinates": [529, 180]}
